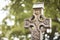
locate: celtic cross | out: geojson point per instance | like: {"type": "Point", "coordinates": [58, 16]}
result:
{"type": "Point", "coordinates": [37, 24]}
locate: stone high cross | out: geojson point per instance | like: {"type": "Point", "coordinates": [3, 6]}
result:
{"type": "Point", "coordinates": [37, 24]}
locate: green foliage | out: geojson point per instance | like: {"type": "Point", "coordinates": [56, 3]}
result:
{"type": "Point", "coordinates": [52, 10]}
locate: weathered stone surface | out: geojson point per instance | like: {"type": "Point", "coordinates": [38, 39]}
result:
{"type": "Point", "coordinates": [37, 24]}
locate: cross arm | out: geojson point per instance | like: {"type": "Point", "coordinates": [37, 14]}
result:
{"type": "Point", "coordinates": [47, 22]}
{"type": "Point", "coordinates": [26, 23]}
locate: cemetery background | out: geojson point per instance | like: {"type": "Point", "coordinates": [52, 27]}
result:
{"type": "Point", "coordinates": [12, 25]}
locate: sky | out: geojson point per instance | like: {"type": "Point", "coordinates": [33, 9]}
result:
{"type": "Point", "coordinates": [3, 13]}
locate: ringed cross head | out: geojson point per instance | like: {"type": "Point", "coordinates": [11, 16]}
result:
{"type": "Point", "coordinates": [38, 22]}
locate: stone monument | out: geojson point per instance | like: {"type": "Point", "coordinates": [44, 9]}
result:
{"type": "Point", "coordinates": [38, 23]}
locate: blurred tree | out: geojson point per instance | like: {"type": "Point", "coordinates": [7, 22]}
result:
{"type": "Point", "coordinates": [22, 9]}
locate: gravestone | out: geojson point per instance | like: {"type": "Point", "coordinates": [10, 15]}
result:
{"type": "Point", "coordinates": [38, 23]}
